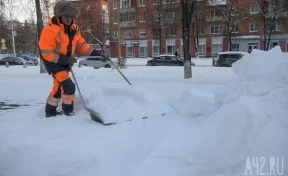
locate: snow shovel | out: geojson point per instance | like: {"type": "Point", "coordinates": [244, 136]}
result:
{"type": "Point", "coordinates": [113, 66]}
{"type": "Point", "coordinates": [120, 72]}
{"type": "Point", "coordinates": [94, 115]}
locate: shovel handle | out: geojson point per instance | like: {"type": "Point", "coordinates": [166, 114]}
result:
{"type": "Point", "coordinates": [120, 72]}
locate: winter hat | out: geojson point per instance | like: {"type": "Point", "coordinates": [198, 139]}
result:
{"type": "Point", "coordinates": [66, 8]}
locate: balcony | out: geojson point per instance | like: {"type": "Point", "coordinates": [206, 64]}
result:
{"type": "Point", "coordinates": [106, 28]}
{"type": "Point", "coordinates": [215, 19]}
{"type": "Point", "coordinates": [216, 2]}
{"type": "Point", "coordinates": [170, 6]}
{"type": "Point", "coordinates": [128, 24]}
{"type": "Point", "coordinates": [280, 15]}
{"type": "Point", "coordinates": [127, 10]}
{"type": "Point", "coordinates": [169, 22]}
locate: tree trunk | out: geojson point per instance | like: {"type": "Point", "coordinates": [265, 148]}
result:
{"type": "Point", "coordinates": [160, 35]}
{"type": "Point", "coordinates": [39, 28]}
{"type": "Point", "coordinates": [230, 40]}
{"type": "Point", "coordinates": [186, 37]}
{"type": "Point", "coordinates": [197, 33]}
{"type": "Point", "coordinates": [265, 31]}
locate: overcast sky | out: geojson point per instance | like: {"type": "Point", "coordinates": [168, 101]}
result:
{"type": "Point", "coordinates": [21, 9]}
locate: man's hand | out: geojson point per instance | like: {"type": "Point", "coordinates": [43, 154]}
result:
{"type": "Point", "coordinates": [71, 61]}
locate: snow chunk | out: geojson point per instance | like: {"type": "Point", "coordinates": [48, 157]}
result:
{"type": "Point", "coordinates": [122, 103]}
{"type": "Point", "coordinates": [202, 101]}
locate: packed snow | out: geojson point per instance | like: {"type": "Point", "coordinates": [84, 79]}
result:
{"type": "Point", "coordinates": [211, 125]}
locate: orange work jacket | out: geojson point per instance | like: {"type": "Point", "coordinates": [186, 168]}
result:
{"type": "Point", "coordinates": [57, 44]}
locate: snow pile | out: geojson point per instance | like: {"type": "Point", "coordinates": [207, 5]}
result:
{"type": "Point", "coordinates": [262, 71]}
{"type": "Point", "coordinates": [122, 103]}
{"type": "Point", "coordinates": [250, 121]}
{"type": "Point", "coordinates": [202, 101]}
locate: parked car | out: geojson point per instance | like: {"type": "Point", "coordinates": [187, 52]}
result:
{"type": "Point", "coordinates": [166, 60]}
{"type": "Point", "coordinates": [12, 60]}
{"type": "Point", "coordinates": [96, 62]}
{"type": "Point", "coordinates": [30, 60]}
{"type": "Point", "coordinates": [226, 59]}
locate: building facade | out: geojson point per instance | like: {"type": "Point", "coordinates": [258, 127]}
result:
{"type": "Point", "coordinates": [147, 28]}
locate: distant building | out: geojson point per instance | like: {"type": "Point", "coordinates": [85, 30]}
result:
{"type": "Point", "coordinates": [142, 22]}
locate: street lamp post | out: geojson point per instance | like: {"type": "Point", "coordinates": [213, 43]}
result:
{"type": "Point", "coordinates": [13, 35]}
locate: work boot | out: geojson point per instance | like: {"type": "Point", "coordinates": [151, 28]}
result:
{"type": "Point", "coordinates": [51, 111]}
{"type": "Point", "coordinates": [69, 113]}
{"type": "Point", "coordinates": [68, 109]}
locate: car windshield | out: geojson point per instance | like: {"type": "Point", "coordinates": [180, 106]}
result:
{"type": "Point", "coordinates": [19, 59]}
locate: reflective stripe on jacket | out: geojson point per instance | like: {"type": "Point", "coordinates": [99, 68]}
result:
{"type": "Point", "coordinates": [56, 47]}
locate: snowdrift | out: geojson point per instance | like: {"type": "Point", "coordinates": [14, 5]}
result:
{"type": "Point", "coordinates": [246, 119]}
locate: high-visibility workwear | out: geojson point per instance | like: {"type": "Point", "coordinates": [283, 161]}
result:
{"type": "Point", "coordinates": [57, 44]}
{"type": "Point", "coordinates": [63, 87]}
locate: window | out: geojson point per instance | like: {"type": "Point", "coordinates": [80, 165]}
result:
{"type": "Point", "coordinates": [277, 27]}
{"type": "Point", "coordinates": [215, 13]}
{"type": "Point", "coordinates": [105, 18]}
{"type": "Point", "coordinates": [142, 18]}
{"type": "Point", "coordinates": [141, 3]}
{"type": "Point", "coordinates": [235, 28]}
{"type": "Point", "coordinates": [156, 16]}
{"type": "Point", "coordinates": [216, 30]}
{"type": "Point", "coordinates": [235, 47]}
{"type": "Point", "coordinates": [142, 51]}
{"type": "Point", "coordinates": [216, 48]}
{"type": "Point", "coordinates": [124, 4]}
{"type": "Point", "coordinates": [202, 50]}
{"type": "Point", "coordinates": [128, 34]}
{"type": "Point", "coordinates": [115, 5]}
{"type": "Point", "coordinates": [172, 32]}
{"type": "Point", "coordinates": [171, 16]}
{"type": "Point", "coordinates": [170, 49]}
{"type": "Point", "coordinates": [253, 27]}
{"type": "Point", "coordinates": [252, 46]}
{"type": "Point", "coordinates": [129, 51]}
{"type": "Point", "coordinates": [115, 35]}
{"type": "Point", "coordinates": [156, 2]}
{"type": "Point", "coordinates": [200, 30]}
{"type": "Point", "coordinates": [254, 9]}
{"type": "Point", "coordinates": [273, 44]}
{"type": "Point", "coordinates": [156, 50]}
{"type": "Point", "coordinates": [142, 33]}
{"type": "Point", "coordinates": [126, 17]}
{"type": "Point", "coordinates": [115, 19]}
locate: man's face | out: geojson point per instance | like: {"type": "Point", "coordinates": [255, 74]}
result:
{"type": "Point", "coordinates": [66, 19]}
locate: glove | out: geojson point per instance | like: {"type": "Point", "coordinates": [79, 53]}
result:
{"type": "Point", "coordinates": [71, 61]}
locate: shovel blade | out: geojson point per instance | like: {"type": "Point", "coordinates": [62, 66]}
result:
{"type": "Point", "coordinates": [94, 115]}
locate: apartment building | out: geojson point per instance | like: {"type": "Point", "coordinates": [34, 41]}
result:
{"type": "Point", "coordinates": [151, 27]}
{"type": "Point", "coordinates": [94, 22]}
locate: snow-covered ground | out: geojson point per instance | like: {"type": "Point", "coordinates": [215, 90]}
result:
{"type": "Point", "coordinates": [222, 122]}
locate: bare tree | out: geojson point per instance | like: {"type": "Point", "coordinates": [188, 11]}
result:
{"type": "Point", "coordinates": [162, 17]}
{"type": "Point", "coordinates": [39, 29]}
{"type": "Point", "coordinates": [196, 21]}
{"type": "Point", "coordinates": [233, 14]}
{"type": "Point", "coordinates": [97, 27]}
{"type": "Point", "coordinates": [186, 39]}
{"type": "Point", "coordinates": [274, 14]}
